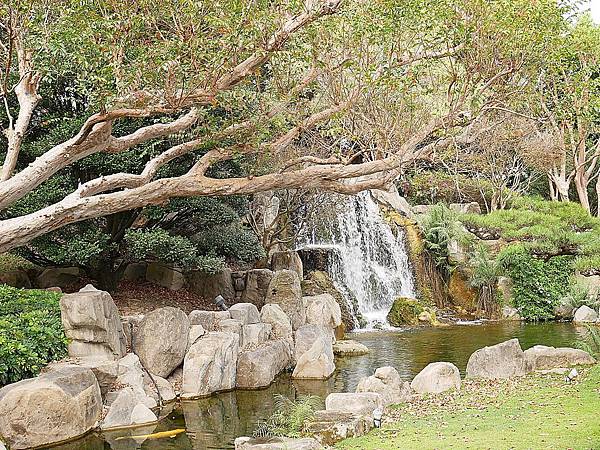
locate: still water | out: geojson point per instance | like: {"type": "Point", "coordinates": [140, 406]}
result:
{"type": "Point", "coordinates": [214, 423]}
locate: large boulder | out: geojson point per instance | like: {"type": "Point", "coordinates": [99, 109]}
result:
{"type": "Point", "coordinates": [126, 410]}
{"type": "Point", "coordinates": [510, 313]}
{"type": "Point", "coordinates": [211, 285]}
{"type": "Point", "coordinates": [502, 360]}
{"type": "Point", "coordinates": [161, 340]}
{"type": "Point", "coordinates": [259, 367]}
{"type": "Point", "coordinates": [131, 375]}
{"type": "Point", "coordinates": [135, 272]}
{"type": "Point", "coordinates": [319, 282]}
{"type": "Point", "coordinates": [105, 370]}
{"type": "Point", "coordinates": [59, 405]}
{"type": "Point", "coordinates": [277, 443]}
{"type": "Point", "coordinates": [170, 277]}
{"type": "Point", "coordinates": [255, 334]}
{"type": "Point", "coordinates": [281, 326]}
{"type": "Point", "coordinates": [232, 326]}
{"type": "Point", "coordinates": [306, 336]}
{"type": "Point", "coordinates": [540, 357]}
{"type": "Point", "coordinates": [247, 313]}
{"type": "Point", "coordinates": [210, 365]}
{"type": "Point", "coordinates": [585, 314]}
{"type": "Point", "coordinates": [60, 277]}
{"type": "Point", "coordinates": [287, 260]}
{"type": "Point", "coordinates": [329, 427]}
{"type": "Point", "coordinates": [92, 324]}
{"type": "Point", "coordinates": [317, 362]}
{"type": "Point", "coordinates": [435, 378]}
{"type": "Point", "coordinates": [16, 278]}
{"type": "Point", "coordinates": [257, 286]}
{"type": "Point", "coordinates": [404, 311]}
{"type": "Point", "coordinates": [386, 382]}
{"type": "Point", "coordinates": [357, 403]}
{"type": "Point", "coordinates": [284, 290]}
{"type": "Point", "coordinates": [323, 310]}
{"type": "Point", "coordinates": [208, 319]}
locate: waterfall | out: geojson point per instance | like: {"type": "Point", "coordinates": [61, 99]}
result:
{"type": "Point", "coordinates": [371, 261]}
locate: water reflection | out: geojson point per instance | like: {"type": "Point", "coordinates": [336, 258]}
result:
{"type": "Point", "coordinates": [214, 422]}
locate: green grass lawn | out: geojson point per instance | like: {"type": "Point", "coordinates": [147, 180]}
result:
{"type": "Point", "coordinates": [533, 412]}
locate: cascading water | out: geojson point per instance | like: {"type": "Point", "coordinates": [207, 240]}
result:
{"type": "Point", "coordinates": [370, 260]}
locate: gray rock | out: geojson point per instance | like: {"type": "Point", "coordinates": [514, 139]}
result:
{"type": "Point", "coordinates": [91, 322]}
{"type": "Point", "coordinates": [170, 277]}
{"type": "Point", "coordinates": [155, 385]}
{"type": "Point", "coordinates": [505, 287]}
{"type": "Point", "coordinates": [135, 272]}
{"type": "Point", "coordinates": [281, 326]}
{"type": "Point", "coordinates": [257, 286]}
{"type": "Point", "coordinates": [510, 313]}
{"type": "Point", "coordinates": [284, 290]}
{"type": "Point", "coordinates": [466, 208]}
{"type": "Point", "coordinates": [387, 383]}
{"type": "Point", "coordinates": [59, 405]}
{"type": "Point", "coordinates": [210, 365]}
{"type": "Point", "coordinates": [317, 362]}
{"type": "Point", "coordinates": [435, 378]}
{"type": "Point", "coordinates": [502, 360]}
{"type": "Point", "coordinates": [161, 340]}
{"type": "Point", "coordinates": [277, 443]}
{"type": "Point", "coordinates": [306, 336]}
{"type": "Point", "coordinates": [255, 334]}
{"type": "Point", "coordinates": [329, 427]}
{"type": "Point", "coordinates": [258, 368]}
{"type": "Point", "coordinates": [209, 285]}
{"type": "Point", "coordinates": [106, 372]}
{"type": "Point", "coordinates": [356, 403]}
{"type": "Point", "coordinates": [208, 319]}
{"type": "Point", "coordinates": [131, 374]}
{"type": "Point", "coordinates": [349, 347]}
{"type": "Point", "coordinates": [130, 324]}
{"type": "Point", "coordinates": [247, 313]}
{"type": "Point", "coordinates": [16, 278]}
{"type": "Point", "coordinates": [287, 260]}
{"type": "Point", "coordinates": [232, 326]}
{"type": "Point", "coordinates": [57, 277]}
{"type": "Point", "coordinates": [126, 411]}
{"type": "Point", "coordinates": [564, 311]}
{"type": "Point", "coordinates": [196, 332]}
{"type": "Point", "coordinates": [323, 310]}
{"type": "Point", "coordinates": [541, 357]}
{"type": "Point", "coordinates": [585, 314]}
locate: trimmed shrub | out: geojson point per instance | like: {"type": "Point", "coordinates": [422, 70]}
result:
{"type": "Point", "coordinates": [31, 333]}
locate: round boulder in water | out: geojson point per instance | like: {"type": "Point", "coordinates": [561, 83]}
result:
{"type": "Point", "coordinates": [161, 340]}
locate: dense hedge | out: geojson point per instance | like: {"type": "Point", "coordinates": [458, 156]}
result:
{"type": "Point", "coordinates": [31, 333]}
{"type": "Point", "coordinates": [538, 284]}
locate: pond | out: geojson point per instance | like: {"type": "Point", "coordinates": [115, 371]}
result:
{"type": "Point", "coordinates": [213, 423]}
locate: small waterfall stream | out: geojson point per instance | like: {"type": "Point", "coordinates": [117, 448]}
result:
{"type": "Point", "coordinates": [370, 260]}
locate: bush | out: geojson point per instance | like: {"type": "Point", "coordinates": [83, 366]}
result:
{"type": "Point", "coordinates": [31, 333]}
{"type": "Point", "coordinates": [538, 284]}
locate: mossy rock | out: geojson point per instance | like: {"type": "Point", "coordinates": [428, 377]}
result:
{"type": "Point", "coordinates": [405, 311]}
{"type": "Point", "coordinates": [461, 292]}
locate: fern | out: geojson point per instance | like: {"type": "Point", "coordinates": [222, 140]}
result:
{"type": "Point", "coordinates": [289, 416]}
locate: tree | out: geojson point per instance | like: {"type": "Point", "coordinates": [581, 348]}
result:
{"type": "Point", "coordinates": [275, 70]}
{"type": "Point", "coordinates": [569, 93]}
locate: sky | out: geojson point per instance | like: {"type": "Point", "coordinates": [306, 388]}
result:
{"type": "Point", "coordinates": [595, 8]}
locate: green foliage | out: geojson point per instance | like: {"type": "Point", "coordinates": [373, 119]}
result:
{"type": "Point", "coordinates": [404, 311]}
{"type": "Point", "coordinates": [289, 416]}
{"type": "Point", "coordinates": [590, 340]}
{"type": "Point", "coordinates": [538, 285]}
{"type": "Point", "coordinates": [440, 225]}
{"type": "Point", "coordinates": [159, 244]}
{"type": "Point", "coordinates": [9, 261]}
{"type": "Point", "coordinates": [432, 187]}
{"type": "Point", "coordinates": [544, 227]}
{"type": "Point", "coordinates": [579, 295]}
{"type": "Point", "coordinates": [233, 241]}
{"type": "Point", "coordinates": [31, 333]}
